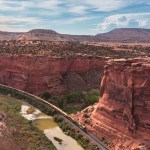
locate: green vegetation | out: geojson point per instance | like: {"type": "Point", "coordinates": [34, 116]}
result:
{"type": "Point", "coordinates": [66, 49]}
{"type": "Point", "coordinates": [76, 101]}
{"type": "Point", "coordinates": [91, 99]}
{"type": "Point", "coordinates": [94, 92]}
{"type": "Point", "coordinates": [58, 140]}
{"type": "Point", "coordinates": [46, 95]}
{"type": "Point", "coordinates": [68, 129]}
{"type": "Point", "coordinates": [52, 48]}
{"type": "Point", "coordinates": [28, 99]}
{"type": "Point", "coordinates": [76, 97]}
{"type": "Point", "coordinates": [30, 110]}
{"type": "Point", "coordinates": [21, 131]}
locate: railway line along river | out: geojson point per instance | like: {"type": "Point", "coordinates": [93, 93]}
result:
{"type": "Point", "coordinates": [50, 128]}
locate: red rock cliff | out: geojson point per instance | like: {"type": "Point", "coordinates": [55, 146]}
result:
{"type": "Point", "coordinates": [37, 74]}
{"type": "Point", "coordinates": [123, 112]}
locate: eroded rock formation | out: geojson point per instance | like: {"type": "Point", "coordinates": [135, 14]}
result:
{"type": "Point", "coordinates": [37, 74]}
{"type": "Point", "coordinates": [122, 115]}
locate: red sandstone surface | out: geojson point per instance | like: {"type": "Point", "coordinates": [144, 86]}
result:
{"type": "Point", "coordinates": [122, 115]}
{"type": "Point", "coordinates": [37, 74]}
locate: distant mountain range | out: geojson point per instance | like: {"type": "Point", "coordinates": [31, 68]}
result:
{"type": "Point", "coordinates": [116, 35]}
{"type": "Point", "coordinates": [126, 34]}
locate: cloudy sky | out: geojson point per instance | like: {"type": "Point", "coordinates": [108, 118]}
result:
{"type": "Point", "coordinates": [74, 16]}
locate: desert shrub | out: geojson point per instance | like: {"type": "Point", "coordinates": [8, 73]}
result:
{"type": "Point", "coordinates": [61, 102]}
{"type": "Point", "coordinates": [75, 101]}
{"type": "Point", "coordinates": [46, 95]}
{"type": "Point", "coordinates": [74, 96]}
{"type": "Point", "coordinates": [86, 116]}
{"type": "Point", "coordinates": [84, 93]}
{"type": "Point", "coordinates": [91, 99]}
{"type": "Point", "coordinates": [94, 92]}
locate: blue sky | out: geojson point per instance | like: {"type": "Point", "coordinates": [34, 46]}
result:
{"type": "Point", "coordinates": [74, 16]}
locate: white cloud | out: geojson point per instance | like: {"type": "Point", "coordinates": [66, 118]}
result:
{"type": "Point", "coordinates": [67, 5]}
{"type": "Point", "coordinates": [62, 11]}
{"type": "Point", "coordinates": [125, 20]}
{"type": "Point", "coordinates": [105, 5]}
{"type": "Point", "coordinates": [17, 23]}
{"type": "Point", "coordinates": [6, 5]}
{"type": "Point", "coordinates": [73, 20]}
{"type": "Point", "coordinates": [78, 9]}
{"type": "Point", "coordinates": [110, 5]}
{"type": "Point", "coordinates": [13, 28]}
{"type": "Point", "coordinates": [46, 4]}
{"type": "Point", "coordinates": [26, 4]}
{"type": "Point", "coordinates": [17, 20]}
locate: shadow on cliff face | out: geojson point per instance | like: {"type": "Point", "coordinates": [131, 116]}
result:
{"type": "Point", "coordinates": [122, 114]}
{"type": "Point", "coordinates": [82, 81]}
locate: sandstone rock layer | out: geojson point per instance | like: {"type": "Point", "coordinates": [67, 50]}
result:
{"type": "Point", "coordinates": [125, 90]}
{"type": "Point", "coordinates": [37, 74]}
{"type": "Point", "coordinates": [123, 112]}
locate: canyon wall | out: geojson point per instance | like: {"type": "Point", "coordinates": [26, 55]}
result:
{"type": "Point", "coordinates": [123, 113]}
{"type": "Point", "coordinates": [37, 74]}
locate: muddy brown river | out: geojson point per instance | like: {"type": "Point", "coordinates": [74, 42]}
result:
{"type": "Point", "coordinates": [50, 128]}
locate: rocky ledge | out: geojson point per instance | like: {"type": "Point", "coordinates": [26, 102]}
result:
{"type": "Point", "coordinates": [122, 115]}
{"type": "Point", "coordinates": [56, 75]}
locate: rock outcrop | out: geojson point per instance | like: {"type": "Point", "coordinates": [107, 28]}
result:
{"type": "Point", "coordinates": [123, 113]}
{"type": "Point", "coordinates": [37, 74]}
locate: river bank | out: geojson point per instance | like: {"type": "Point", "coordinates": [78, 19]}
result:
{"type": "Point", "coordinates": [50, 128]}
{"type": "Point", "coordinates": [17, 132]}
{"type": "Point", "coordinates": [79, 133]}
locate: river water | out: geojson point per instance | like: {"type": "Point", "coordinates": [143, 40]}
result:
{"type": "Point", "coordinates": [50, 128]}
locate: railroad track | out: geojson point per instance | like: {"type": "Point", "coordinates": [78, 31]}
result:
{"type": "Point", "coordinates": [78, 126]}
